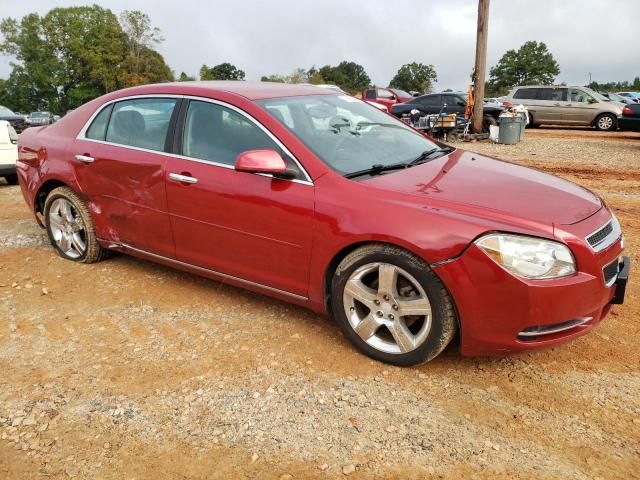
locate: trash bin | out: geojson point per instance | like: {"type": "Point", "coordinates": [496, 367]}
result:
{"type": "Point", "coordinates": [509, 129]}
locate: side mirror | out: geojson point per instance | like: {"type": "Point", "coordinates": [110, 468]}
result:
{"type": "Point", "coordinates": [263, 161]}
{"type": "Point", "coordinates": [461, 104]}
{"type": "Point", "coordinates": [591, 100]}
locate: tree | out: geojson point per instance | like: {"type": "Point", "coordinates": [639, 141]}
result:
{"type": "Point", "coordinates": [415, 76]}
{"type": "Point", "coordinates": [142, 63]}
{"type": "Point", "coordinates": [223, 71]}
{"type": "Point", "coordinates": [72, 55]}
{"type": "Point", "coordinates": [531, 64]}
{"type": "Point", "coordinates": [273, 78]}
{"type": "Point", "coordinates": [185, 78]}
{"type": "Point", "coordinates": [349, 76]}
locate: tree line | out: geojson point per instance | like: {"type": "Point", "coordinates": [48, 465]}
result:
{"type": "Point", "coordinates": [72, 55]}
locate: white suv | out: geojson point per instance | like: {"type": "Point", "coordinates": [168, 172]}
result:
{"type": "Point", "coordinates": [8, 152]}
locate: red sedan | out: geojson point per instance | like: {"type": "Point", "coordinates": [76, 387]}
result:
{"type": "Point", "coordinates": [319, 199]}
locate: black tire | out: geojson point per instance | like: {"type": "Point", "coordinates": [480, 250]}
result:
{"type": "Point", "coordinates": [606, 122]}
{"type": "Point", "coordinates": [11, 179]}
{"type": "Point", "coordinates": [488, 121]}
{"type": "Point", "coordinates": [443, 319]}
{"type": "Point", "coordinates": [531, 123]}
{"type": "Point", "coordinates": [93, 252]}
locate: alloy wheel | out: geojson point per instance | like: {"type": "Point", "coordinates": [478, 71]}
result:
{"type": "Point", "coordinates": [605, 122]}
{"type": "Point", "coordinates": [387, 307]}
{"type": "Point", "coordinates": [67, 228]}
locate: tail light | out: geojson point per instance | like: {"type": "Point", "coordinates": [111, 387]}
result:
{"type": "Point", "coordinates": [627, 111]}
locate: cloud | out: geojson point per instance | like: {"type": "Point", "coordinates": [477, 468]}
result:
{"type": "Point", "coordinates": [265, 38]}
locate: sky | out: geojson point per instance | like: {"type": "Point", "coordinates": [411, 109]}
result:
{"type": "Point", "coordinates": [277, 36]}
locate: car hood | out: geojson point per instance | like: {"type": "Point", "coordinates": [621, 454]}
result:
{"type": "Point", "coordinates": [479, 185]}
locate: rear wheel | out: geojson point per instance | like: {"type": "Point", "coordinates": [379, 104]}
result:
{"type": "Point", "coordinates": [391, 305]}
{"type": "Point", "coordinates": [531, 123]}
{"type": "Point", "coordinates": [606, 122]}
{"type": "Point", "coordinates": [70, 227]}
{"type": "Point", "coordinates": [11, 179]}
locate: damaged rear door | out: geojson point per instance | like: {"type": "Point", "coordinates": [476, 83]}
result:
{"type": "Point", "coordinates": [119, 164]}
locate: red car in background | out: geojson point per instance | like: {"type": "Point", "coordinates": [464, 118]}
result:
{"type": "Point", "coordinates": [386, 96]}
{"type": "Point", "coordinates": [319, 199]}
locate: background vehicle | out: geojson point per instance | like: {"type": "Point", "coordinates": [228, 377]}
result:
{"type": "Point", "coordinates": [8, 152]}
{"type": "Point", "coordinates": [614, 97]}
{"type": "Point", "coordinates": [386, 96]}
{"type": "Point", "coordinates": [272, 187]}
{"type": "Point", "coordinates": [37, 119]}
{"type": "Point", "coordinates": [434, 103]}
{"type": "Point", "coordinates": [635, 96]}
{"type": "Point", "coordinates": [553, 105]}
{"type": "Point", "coordinates": [630, 119]}
{"type": "Point", "coordinates": [17, 121]}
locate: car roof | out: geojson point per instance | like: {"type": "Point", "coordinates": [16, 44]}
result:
{"type": "Point", "coordinates": [249, 90]}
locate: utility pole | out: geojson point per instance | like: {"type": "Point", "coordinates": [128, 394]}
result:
{"type": "Point", "coordinates": [479, 72]}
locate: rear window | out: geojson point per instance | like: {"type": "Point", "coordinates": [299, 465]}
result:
{"type": "Point", "coordinates": [526, 93]}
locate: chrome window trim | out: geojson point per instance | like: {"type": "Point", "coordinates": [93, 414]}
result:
{"type": "Point", "coordinates": [610, 239]}
{"type": "Point", "coordinates": [82, 134]}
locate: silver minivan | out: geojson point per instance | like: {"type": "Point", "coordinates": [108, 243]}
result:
{"type": "Point", "coordinates": [560, 105]}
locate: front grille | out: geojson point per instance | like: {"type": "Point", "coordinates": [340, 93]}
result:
{"type": "Point", "coordinates": [597, 237]}
{"type": "Point", "coordinates": [611, 272]}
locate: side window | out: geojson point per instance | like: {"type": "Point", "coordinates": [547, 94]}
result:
{"type": "Point", "coordinates": [218, 134]}
{"type": "Point", "coordinates": [526, 93]}
{"type": "Point", "coordinates": [370, 94]}
{"type": "Point", "coordinates": [98, 128]}
{"type": "Point", "coordinates": [430, 100]}
{"type": "Point", "coordinates": [553, 94]}
{"type": "Point", "coordinates": [383, 93]}
{"type": "Point", "coordinates": [579, 96]}
{"type": "Point", "coordinates": [141, 123]}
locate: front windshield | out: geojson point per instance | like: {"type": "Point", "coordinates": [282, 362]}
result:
{"type": "Point", "coordinates": [400, 93]}
{"type": "Point", "coordinates": [5, 111]}
{"type": "Point", "coordinates": [346, 133]}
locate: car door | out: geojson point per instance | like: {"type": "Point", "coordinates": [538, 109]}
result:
{"type": "Point", "coordinates": [386, 97]}
{"type": "Point", "coordinates": [581, 109]}
{"type": "Point", "coordinates": [119, 164]}
{"type": "Point", "coordinates": [429, 104]}
{"type": "Point", "coordinates": [252, 227]}
{"type": "Point", "coordinates": [551, 105]}
{"type": "Point", "coordinates": [455, 104]}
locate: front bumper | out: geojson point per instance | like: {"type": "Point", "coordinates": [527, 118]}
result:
{"type": "Point", "coordinates": [500, 313]}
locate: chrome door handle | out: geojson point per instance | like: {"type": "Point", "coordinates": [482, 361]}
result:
{"type": "Point", "coordinates": [182, 178]}
{"type": "Point", "coordinates": [85, 158]}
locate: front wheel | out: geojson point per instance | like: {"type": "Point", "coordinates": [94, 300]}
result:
{"type": "Point", "coordinates": [606, 122]}
{"type": "Point", "coordinates": [391, 305]}
{"type": "Point", "coordinates": [70, 227]}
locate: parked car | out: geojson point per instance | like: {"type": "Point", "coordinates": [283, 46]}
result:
{"type": "Point", "coordinates": [449, 102]}
{"type": "Point", "coordinates": [554, 105]}
{"type": "Point", "coordinates": [17, 121]}
{"type": "Point", "coordinates": [386, 96]}
{"type": "Point", "coordinates": [614, 97]}
{"type": "Point", "coordinates": [635, 96]}
{"type": "Point", "coordinates": [40, 118]}
{"type": "Point", "coordinates": [322, 200]}
{"type": "Point", "coordinates": [630, 119]}
{"type": "Point", "coordinates": [8, 152]}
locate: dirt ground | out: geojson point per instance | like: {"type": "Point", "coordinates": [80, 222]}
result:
{"type": "Point", "coordinates": [126, 369]}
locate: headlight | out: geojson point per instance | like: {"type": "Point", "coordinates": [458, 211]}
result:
{"type": "Point", "coordinates": [528, 257]}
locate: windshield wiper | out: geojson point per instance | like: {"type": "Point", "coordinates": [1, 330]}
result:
{"type": "Point", "coordinates": [379, 168]}
{"type": "Point", "coordinates": [424, 156]}
{"type": "Point", "coordinates": [376, 169]}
